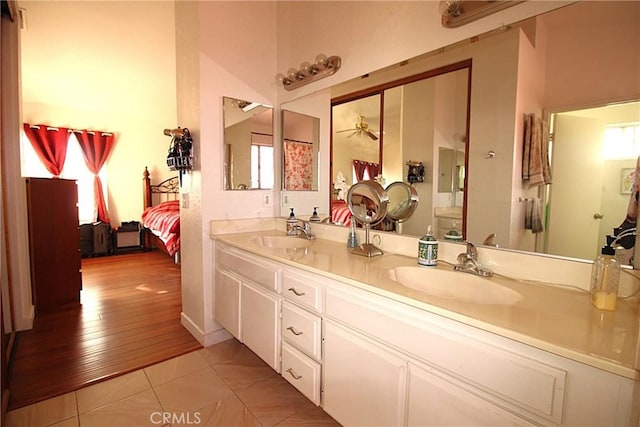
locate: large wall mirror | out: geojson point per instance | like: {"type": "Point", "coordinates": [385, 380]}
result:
{"type": "Point", "coordinates": [248, 145]}
{"type": "Point", "coordinates": [380, 132]}
{"type": "Point", "coordinates": [565, 66]}
{"type": "Point", "coordinates": [300, 151]}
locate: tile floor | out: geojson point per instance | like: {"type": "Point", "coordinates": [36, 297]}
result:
{"type": "Point", "coordinates": [222, 385]}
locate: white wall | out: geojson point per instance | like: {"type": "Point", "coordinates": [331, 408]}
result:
{"type": "Point", "coordinates": [229, 49]}
{"type": "Point", "coordinates": [615, 69]}
{"type": "Point", "coordinates": [105, 66]}
{"type": "Point", "coordinates": [372, 35]}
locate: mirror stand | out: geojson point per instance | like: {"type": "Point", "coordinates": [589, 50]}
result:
{"type": "Point", "coordinates": [367, 202]}
{"type": "Point", "coordinates": [367, 249]}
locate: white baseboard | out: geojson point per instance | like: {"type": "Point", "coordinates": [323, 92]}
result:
{"type": "Point", "coordinates": [192, 328]}
{"type": "Point", "coordinates": [208, 339]}
{"type": "Point", "coordinates": [216, 337]}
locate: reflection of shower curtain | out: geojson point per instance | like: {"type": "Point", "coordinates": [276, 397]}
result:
{"type": "Point", "coordinates": [298, 165]}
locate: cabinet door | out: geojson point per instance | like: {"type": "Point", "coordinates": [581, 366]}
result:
{"type": "Point", "coordinates": [227, 302]}
{"type": "Point", "coordinates": [260, 323]}
{"type": "Point", "coordinates": [363, 384]}
{"type": "Point", "coordinates": [436, 400]}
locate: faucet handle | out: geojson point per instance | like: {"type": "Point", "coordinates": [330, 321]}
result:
{"type": "Point", "coordinates": [472, 252]}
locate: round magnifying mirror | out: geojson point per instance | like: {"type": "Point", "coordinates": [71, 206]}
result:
{"type": "Point", "coordinates": [403, 200]}
{"type": "Point", "coordinates": [367, 201]}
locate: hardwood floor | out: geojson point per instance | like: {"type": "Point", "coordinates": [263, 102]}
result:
{"type": "Point", "coordinates": [129, 318]}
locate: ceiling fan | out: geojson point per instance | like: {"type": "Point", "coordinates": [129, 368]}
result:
{"type": "Point", "coordinates": [360, 128]}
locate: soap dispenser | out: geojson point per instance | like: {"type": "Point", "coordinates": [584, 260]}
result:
{"type": "Point", "coordinates": [428, 249]}
{"type": "Point", "coordinates": [454, 234]}
{"type": "Point", "coordinates": [315, 217]}
{"type": "Point", "coordinates": [605, 279]}
{"type": "Point", "coordinates": [292, 224]}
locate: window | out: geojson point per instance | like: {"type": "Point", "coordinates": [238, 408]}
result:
{"type": "Point", "coordinates": [621, 142]}
{"type": "Point", "coordinates": [74, 168]}
{"type": "Point", "coordinates": [262, 161]}
{"type": "Point", "coordinates": [261, 166]}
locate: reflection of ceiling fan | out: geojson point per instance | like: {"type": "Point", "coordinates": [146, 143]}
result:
{"type": "Point", "coordinates": [360, 128]}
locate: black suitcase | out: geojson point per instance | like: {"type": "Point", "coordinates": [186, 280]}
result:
{"type": "Point", "coordinates": [86, 240]}
{"type": "Point", "coordinates": [101, 239]}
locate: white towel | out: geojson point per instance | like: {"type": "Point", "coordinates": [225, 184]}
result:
{"type": "Point", "coordinates": [533, 216]}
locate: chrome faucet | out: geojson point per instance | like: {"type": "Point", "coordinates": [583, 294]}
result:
{"type": "Point", "coordinates": [490, 240]}
{"type": "Point", "coordinates": [468, 262]}
{"type": "Point", "coordinates": [304, 230]}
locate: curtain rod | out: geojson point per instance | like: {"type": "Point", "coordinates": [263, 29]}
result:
{"type": "Point", "coordinates": [92, 132]}
{"type": "Point", "coordinates": [71, 130]}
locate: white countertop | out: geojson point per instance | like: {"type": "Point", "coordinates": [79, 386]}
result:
{"type": "Point", "coordinates": [558, 320]}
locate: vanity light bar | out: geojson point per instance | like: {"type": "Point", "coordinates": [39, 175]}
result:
{"type": "Point", "coordinates": [323, 67]}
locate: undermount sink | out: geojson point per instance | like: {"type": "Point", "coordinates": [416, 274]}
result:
{"type": "Point", "coordinates": [282, 242]}
{"type": "Point", "coordinates": [454, 285]}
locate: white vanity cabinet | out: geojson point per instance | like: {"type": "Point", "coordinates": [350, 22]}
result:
{"type": "Point", "coordinates": [436, 399]}
{"type": "Point", "coordinates": [260, 322]}
{"type": "Point", "coordinates": [363, 383]}
{"type": "Point", "coordinates": [226, 302]}
{"type": "Point", "coordinates": [478, 376]}
{"type": "Point", "coordinates": [302, 332]}
{"type": "Point", "coordinates": [370, 358]}
{"type": "Point", "coordinates": [247, 301]}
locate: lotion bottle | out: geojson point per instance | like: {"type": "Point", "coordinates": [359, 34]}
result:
{"type": "Point", "coordinates": [428, 249]}
{"type": "Point", "coordinates": [605, 279]}
{"type": "Point", "coordinates": [292, 223]}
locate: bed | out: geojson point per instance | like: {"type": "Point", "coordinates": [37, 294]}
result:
{"type": "Point", "coordinates": [161, 215]}
{"type": "Point", "coordinates": [340, 213]}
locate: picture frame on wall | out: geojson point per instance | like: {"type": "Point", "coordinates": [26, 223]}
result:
{"type": "Point", "coordinates": [626, 180]}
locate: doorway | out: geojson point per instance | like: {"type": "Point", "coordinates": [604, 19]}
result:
{"type": "Point", "coordinates": [593, 154]}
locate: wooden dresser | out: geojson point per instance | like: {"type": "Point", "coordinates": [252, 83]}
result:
{"type": "Point", "coordinates": [54, 242]}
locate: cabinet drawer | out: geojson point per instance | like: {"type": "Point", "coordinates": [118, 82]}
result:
{"type": "Point", "coordinates": [260, 273]}
{"type": "Point", "coordinates": [302, 372]}
{"type": "Point", "coordinates": [302, 329]}
{"type": "Point", "coordinates": [302, 289]}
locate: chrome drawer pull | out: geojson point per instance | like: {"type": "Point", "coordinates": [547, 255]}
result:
{"type": "Point", "coordinates": [296, 292]}
{"type": "Point", "coordinates": [293, 374]}
{"type": "Point", "coordinates": [293, 331]}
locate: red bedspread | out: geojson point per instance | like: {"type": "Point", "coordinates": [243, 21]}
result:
{"type": "Point", "coordinates": [164, 221]}
{"type": "Point", "coordinates": [340, 213]}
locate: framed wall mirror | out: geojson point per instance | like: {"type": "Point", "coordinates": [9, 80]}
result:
{"type": "Point", "coordinates": [300, 151]}
{"type": "Point", "coordinates": [571, 59]}
{"type": "Point", "coordinates": [248, 145]}
{"type": "Point", "coordinates": [401, 122]}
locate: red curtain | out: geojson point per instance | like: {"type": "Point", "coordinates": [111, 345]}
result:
{"type": "Point", "coordinates": [360, 167]}
{"type": "Point", "coordinates": [50, 144]}
{"type": "Point", "coordinates": [96, 147]}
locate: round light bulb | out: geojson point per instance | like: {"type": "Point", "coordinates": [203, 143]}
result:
{"type": "Point", "coordinates": [321, 60]}
{"type": "Point", "coordinates": [305, 67]}
{"type": "Point", "coordinates": [280, 78]}
{"type": "Point", "coordinates": [292, 73]}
